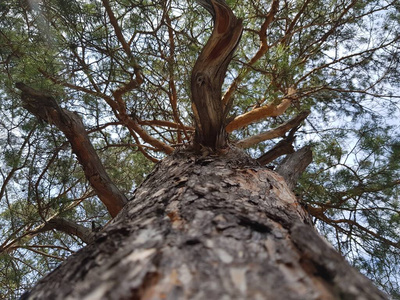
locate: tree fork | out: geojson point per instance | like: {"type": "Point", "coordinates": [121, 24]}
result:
{"type": "Point", "coordinates": [208, 75]}
{"type": "Point", "coordinates": [46, 108]}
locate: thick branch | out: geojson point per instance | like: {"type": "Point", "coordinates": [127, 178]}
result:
{"type": "Point", "coordinates": [257, 114]}
{"type": "Point", "coordinates": [46, 108]}
{"type": "Point", "coordinates": [273, 133]}
{"type": "Point", "coordinates": [294, 165]}
{"type": "Point", "coordinates": [283, 147]}
{"type": "Point", "coordinates": [208, 75]}
{"type": "Point", "coordinates": [68, 227]}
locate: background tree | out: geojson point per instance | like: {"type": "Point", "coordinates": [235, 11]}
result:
{"type": "Point", "coordinates": [125, 68]}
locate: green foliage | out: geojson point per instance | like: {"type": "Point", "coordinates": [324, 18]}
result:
{"type": "Point", "coordinates": [357, 186]}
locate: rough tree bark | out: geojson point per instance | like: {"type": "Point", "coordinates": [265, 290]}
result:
{"type": "Point", "coordinates": [216, 227]}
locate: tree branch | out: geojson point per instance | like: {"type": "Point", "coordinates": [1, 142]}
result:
{"type": "Point", "coordinates": [262, 33]}
{"type": "Point", "coordinates": [57, 223]}
{"type": "Point", "coordinates": [162, 123]}
{"type": "Point", "coordinates": [273, 133]}
{"type": "Point", "coordinates": [257, 114]}
{"type": "Point", "coordinates": [68, 227]}
{"type": "Point", "coordinates": [294, 165]}
{"type": "Point", "coordinates": [208, 75]}
{"type": "Point", "coordinates": [120, 36]}
{"type": "Point", "coordinates": [46, 108]}
{"type": "Point", "coordinates": [361, 228]}
{"type": "Point", "coordinates": [283, 147]}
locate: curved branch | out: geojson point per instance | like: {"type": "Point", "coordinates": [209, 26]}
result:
{"type": "Point", "coordinates": [262, 33]}
{"type": "Point", "coordinates": [208, 75]}
{"type": "Point", "coordinates": [68, 227]}
{"type": "Point", "coordinates": [46, 108]}
{"type": "Point", "coordinates": [120, 37]}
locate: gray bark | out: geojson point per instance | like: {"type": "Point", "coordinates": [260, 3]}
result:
{"type": "Point", "coordinates": [294, 164]}
{"type": "Point", "coordinates": [216, 227]}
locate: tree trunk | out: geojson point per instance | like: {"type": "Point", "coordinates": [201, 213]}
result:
{"type": "Point", "coordinates": [215, 227]}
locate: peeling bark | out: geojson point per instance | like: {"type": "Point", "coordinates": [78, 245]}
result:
{"type": "Point", "coordinates": [46, 108]}
{"type": "Point", "coordinates": [216, 227]}
{"type": "Point", "coordinates": [257, 114]}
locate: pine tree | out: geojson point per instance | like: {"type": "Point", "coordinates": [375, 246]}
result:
{"type": "Point", "coordinates": [212, 95]}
